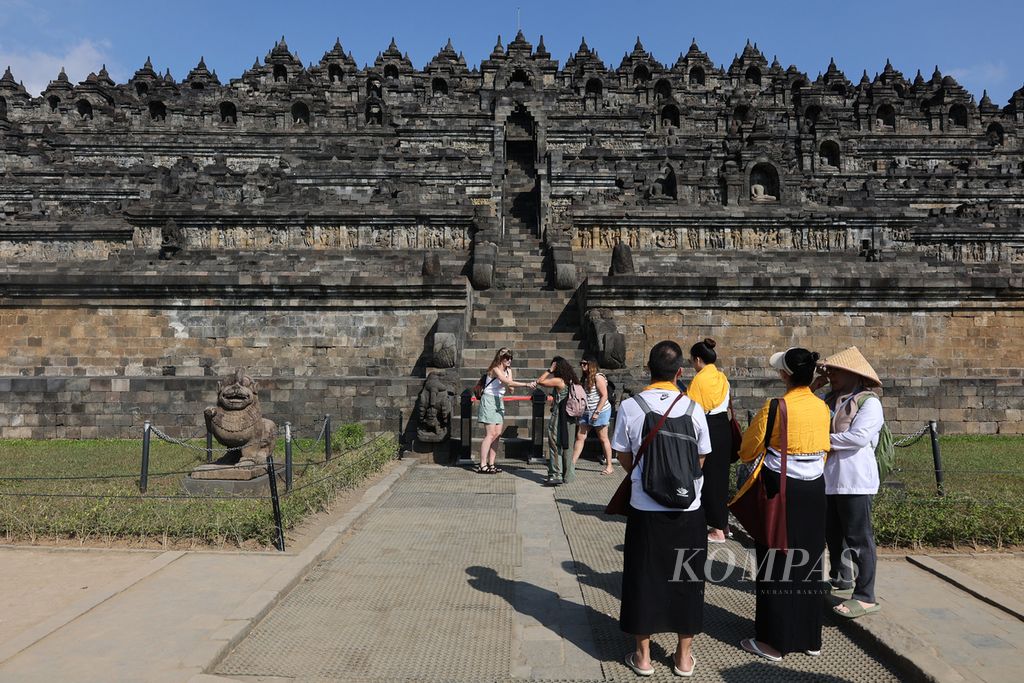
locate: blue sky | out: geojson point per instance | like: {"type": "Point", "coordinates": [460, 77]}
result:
{"type": "Point", "coordinates": [977, 43]}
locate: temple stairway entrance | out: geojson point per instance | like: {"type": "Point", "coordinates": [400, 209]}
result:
{"type": "Point", "coordinates": [522, 310]}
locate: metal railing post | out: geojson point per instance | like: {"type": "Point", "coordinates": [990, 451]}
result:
{"type": "Point", "coordinates": [144, 473]}
{"type": "Point", "coordinates": [327, 437]}
{"type": "Point", "coordinates": [209, 447]}
{"type": "Point", "coordinates": [538, 401]}
{"type": "Point", "coordinates": [287, 456]}
{"type": "Point", "coordinates": [401, 450]}
{"type": "Point", "coordinates": [276, 501]}
{"type": "Point", "coordinates": [466, 428]}
{"type": "Point", "coordinates": [933, 430]}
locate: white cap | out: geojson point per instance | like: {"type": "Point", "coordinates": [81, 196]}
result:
{"type": "Point", "coordinates": [778, 360]}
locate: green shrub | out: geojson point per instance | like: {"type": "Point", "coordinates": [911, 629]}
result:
{"type": "Point", "coordinates": [348, 436]}
{"type": "Point", "coordinates": [914, 518]}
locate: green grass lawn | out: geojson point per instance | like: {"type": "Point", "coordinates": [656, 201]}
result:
{"type": "Point", "coordinates": [983, 503]}
{"type": "Point", "coordinates": [983, 480]}
{"type": "Point", "coordinates": [85, 507]}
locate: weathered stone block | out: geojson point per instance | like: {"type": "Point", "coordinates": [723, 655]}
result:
{"type": "Point", "coordinates": [485, 256]}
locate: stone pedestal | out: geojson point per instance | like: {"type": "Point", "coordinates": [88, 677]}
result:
{"type": "Point", "coordinates": [220, 479]}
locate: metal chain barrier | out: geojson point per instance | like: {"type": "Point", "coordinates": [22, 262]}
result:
{"type": "Point", "coordinates": [910, 440]}
{"type": "Point", "coordinates": [179, 442]}
{"type": "Point", "coordinates": [345, 470]}
{"type": "Point", "coordinates": [318, 439]}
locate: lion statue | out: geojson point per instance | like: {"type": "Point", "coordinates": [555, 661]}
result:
{"type": "Point", "coordinates": [238, 423]}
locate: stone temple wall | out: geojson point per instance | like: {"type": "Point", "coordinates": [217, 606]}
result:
{"type": "Point", "coordinates": [180, 342]}
{"type": "Point", "coordinates": [117, 407]}
{"type": "Point", "coordinates": [318, 223]}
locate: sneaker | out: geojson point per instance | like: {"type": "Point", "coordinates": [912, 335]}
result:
{"type": "Point", "coordinates": [553, 481]}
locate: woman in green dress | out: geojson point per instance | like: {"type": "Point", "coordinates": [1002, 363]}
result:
{"type": "Point", "coordinates": [491, 413]}
{"type": "Point", "coordinates": [561, 428]}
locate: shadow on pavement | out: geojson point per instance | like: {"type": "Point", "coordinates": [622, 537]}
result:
{"type": "Point", "coordinates": [546, 606]}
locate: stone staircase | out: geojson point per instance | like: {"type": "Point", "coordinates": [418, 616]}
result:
{"type": "Point", "coordinates": [522, 311]}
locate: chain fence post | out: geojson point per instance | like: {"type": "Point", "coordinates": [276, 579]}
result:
{"type": "Point", "coordinates": [933, 430]}
{"type": "Point", "coordinates": [209, 446]}
{"type": "Point", "coordinates": [276, 502]}
{"type": "Point", "coordinates": [287, 456]}
{"type": "Point", "coordinates": [537, 400]}
{"type": "Point", "coordinates": [327, 437]}
{"type": "Point", "coordinates": [144, 473]}
{"type": "Point", "coordinates": [466, 425]}
{"type": "Point", "coordinates": [401, 450]}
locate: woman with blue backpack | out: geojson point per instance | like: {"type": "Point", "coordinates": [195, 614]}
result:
{"type": "Point", "coordinates": [560, 378]}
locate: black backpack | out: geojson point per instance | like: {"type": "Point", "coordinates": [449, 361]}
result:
{"type": "Point", "coordinates": [482, 383]}
{"type": "Point", "coordinates": [671, 462]}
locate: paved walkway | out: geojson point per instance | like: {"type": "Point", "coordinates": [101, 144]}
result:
{"type": "Point", "coordinates": [444, 575]}
{"type": "Point", "coordinates": [950, 635]}
{"type": "Point", "coordinates": [153, 617]}
{"type": "Point", "coordinates": [466, 577]}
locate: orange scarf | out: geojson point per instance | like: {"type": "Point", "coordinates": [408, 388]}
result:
{"type": "Point", "coordinates": [709, 387]}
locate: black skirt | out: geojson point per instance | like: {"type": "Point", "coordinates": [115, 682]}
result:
{"type": "Point", "coordinates": [715, 492]}
{"type": "Point", "coordinates": [663, 572]}
{"type": "Point", "coordinates": [790, 609]}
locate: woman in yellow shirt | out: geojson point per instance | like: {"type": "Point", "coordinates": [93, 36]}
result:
{"type": "Point", "coordinates": [710, 390]}
{"type": "Point", "coordinates": [790, 587]}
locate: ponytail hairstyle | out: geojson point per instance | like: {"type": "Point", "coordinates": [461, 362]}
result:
{"type": "Point", "coordinates": [590, 379]}
{"type": "Point", "coordinates": [704, 350]}
{"type": "Point", "coordinates": [501, 355]}
{"type": "Point", "coordinates": [564, 371]}
{"type": "Point", "coordinates": [802, 362]}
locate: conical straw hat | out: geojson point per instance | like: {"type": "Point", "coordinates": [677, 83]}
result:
{"type": "Point", "coordinates": [852, 360]}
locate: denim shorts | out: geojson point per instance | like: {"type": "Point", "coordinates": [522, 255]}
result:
{"type": "Point", "coordinates": [600, 420]}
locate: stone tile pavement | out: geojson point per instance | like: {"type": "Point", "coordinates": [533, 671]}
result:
{"type": "Point", "coordinates": [945, 631]}
{"type": "Point", "coordinates": [50, 580]}
{"type": "Point", "coordinates": [466, 577]}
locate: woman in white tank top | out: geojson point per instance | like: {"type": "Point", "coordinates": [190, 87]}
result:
{"type": "Point", "coordinates": [598, 411]}
{"type": "Point", "coordinates": [491, 413]}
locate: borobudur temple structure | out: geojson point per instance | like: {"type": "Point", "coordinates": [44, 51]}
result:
{"type": "Point", "coordinates": [342, 231]}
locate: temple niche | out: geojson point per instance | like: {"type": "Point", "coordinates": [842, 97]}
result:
{"type": "Point", "coordinates": [829, 155]}
{"type": "Point", "coordinates": [764, 183]}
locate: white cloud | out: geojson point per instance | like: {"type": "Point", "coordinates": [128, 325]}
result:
{"type": "Point", "coordinates": [987, 75]}
{"type": "Point", "coordinates": [37, 68]}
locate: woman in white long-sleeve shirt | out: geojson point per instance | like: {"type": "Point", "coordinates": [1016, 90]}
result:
{"type": "Point", "coordinates": [851, 479]}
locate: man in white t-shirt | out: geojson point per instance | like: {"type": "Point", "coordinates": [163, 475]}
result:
{"type": "Point", "coordinates": [629, 424]}
{"type": "Point", "coordinates": [654, 598]}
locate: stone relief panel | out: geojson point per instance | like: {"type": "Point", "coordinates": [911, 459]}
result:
{"type": "Point", "coordinates": [318, 237]}
{"type": "Point", "coordinates": [675, 238]}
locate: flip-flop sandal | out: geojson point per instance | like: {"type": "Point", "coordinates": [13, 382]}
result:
{"type": "Point", "coordinates": [855, 609]}
{"type": "Point", "coordinates": [685, 674]}
{"type": "Point", "coordinates": [606, 472]}
{"type": "Point", "coordinates": [750, 645]}
{"type": "Point", "coordinates": [631, 663]}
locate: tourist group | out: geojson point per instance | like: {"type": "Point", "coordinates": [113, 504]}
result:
{"type": "Point", "coordinates": [807, 474]}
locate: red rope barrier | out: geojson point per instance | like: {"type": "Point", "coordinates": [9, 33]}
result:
{"type": "Point", "coordinates": [514, 398]}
